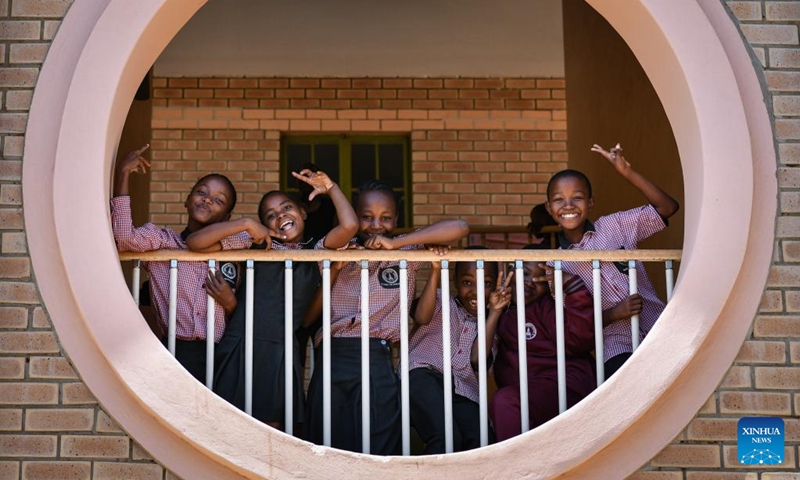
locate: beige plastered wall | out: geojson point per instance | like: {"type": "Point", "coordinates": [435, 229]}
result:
{"type": "Point", "coordinates": [51, 425]}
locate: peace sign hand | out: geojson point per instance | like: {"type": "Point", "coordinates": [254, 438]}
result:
{"type": "Point", "coordinates": [500, 298]}
{"type": "Point", "coordinates": [614, 157]}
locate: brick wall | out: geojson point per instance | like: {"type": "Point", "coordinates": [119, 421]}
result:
{"type": "Point", "coordinates": [51, 426]}
{"type": "Point", "coordinates": [482, 149]}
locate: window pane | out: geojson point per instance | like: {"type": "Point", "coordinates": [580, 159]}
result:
{"type": "Point", "coordinates": [297, 154]}
{"type": "Point", "coordinates": [363, 166]}
{"type": "Point", "coordinates": [326, 157]}
{"type": "Point", "coordinates": [391, 164]}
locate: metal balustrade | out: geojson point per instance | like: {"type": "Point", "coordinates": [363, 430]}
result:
{"type": "Point", "coordinates": [481, 257]}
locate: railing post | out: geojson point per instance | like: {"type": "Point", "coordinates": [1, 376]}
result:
{"type": "Point", "coordinates": [135, 280]}
{"type": "Point", "coordinates": [561, 356]}
{"type": "Point", "coordinates": [522, 349]}
{"type": "Point", "coordinates": [248, 339]}
{"type": "Point", "coordinates": [634, 289]}
{"type": "Point", "coordinates": [405, 416]}
{"type": "Point", "coordinates": [483, 396]}
{"type": "Point", "coordinates": [326, 353]}
{"type": "Point", "coordinates": [447, 373]}
{"type": "Point", "coordinates": [172, 325]}
{"type": "Point", "coordinates": [366, 427]}
{"type": "Point", "coordinates": [210, 330]}
{"type": "Point", "coordinates": [288, 340]}
{"type": "Point", "coordinates": [670, 273]}
{"type": "Point", "coordinates": [598, 322]}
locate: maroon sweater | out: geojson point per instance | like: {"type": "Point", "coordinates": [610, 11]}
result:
{"type": "Point", "coordinates": [540, 319]}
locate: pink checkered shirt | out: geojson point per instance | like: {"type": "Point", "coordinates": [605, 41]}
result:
{"type": "Point", "coordinates": [621, 230]}
{"type": "Point", "coordinates": [191, 303]}
{"type": "Point", "coordinates": [425, 347]}
{"type": "Point", "coordinates": [384, 298]}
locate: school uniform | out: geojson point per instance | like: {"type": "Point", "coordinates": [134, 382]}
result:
{"type": "Point", "coordinates": [269, 349]}
{"type": "Point", "coordinates": [542, 364]}
{"type": "Point", "coordinates": [621, 230]}
{"type": "Point", "coordinates": [191, 303]}
{"type": "Point", "coordinates": [384, 319]}
{"type": "Point", "coordinates": [426, 380]}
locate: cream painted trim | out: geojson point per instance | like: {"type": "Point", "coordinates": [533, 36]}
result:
{"type": "Point", "coordinates": [101, 52]}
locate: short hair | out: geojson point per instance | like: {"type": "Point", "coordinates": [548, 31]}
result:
{"type": "Point", "coordinates": [486, 264]}
{"type": "Point", "coordinates": [569, 173]}
{"type": "Point", "coordinates": [377, 186]}
{"type": "Point", "coordinates": [540, 218]}
{"type": "Point", "coordinates": [226, 180]}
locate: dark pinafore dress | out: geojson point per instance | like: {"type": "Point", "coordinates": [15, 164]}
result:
{"type": "Point", "coordinates": [268, 338]}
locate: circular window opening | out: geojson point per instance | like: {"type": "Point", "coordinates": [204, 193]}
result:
{"type": "Point", "coordinates": [70, 245]}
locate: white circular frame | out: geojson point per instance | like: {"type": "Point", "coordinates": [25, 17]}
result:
{"type": "Point", "coordinates": [696, 60]}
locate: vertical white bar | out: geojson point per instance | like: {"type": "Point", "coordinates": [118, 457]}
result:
{"type": "Point", "coordinates": [405, 416]}
{"type": "Point", "coordinates": [670, 273]}
{"type": "Point", "coordinates": [366, 428]}
{"type": "Point", "coordinates": [326, 353]}
{"type": "Point", "coordinates": [447, 360]}
{"type": "Point", "coordinates": [288, 341]}
{"type": "Point", "coordinates": [172, 325]}
{"type": "Point", "coordinates": [483, 399]}
{"type": "Point", "coordinates": [598, 322]}
{"type": "Point", "coordinates": [136, 277]}
{"type": "Point", "coordinates": [248, 339]}
{"type": "Point", "coordinates": [210, 324]}
{"type": "Point", "coordinates": [561, 353]}
{"type": "Point", "coordinates": [522, 349]}
{"type": "Point", "coordinates": [634, 287]}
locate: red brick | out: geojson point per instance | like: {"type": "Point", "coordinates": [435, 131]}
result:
{"type": "Point", "coordinates": [12, 368]}
{"type": "Point", "coordinates": [721, 476]}
{"type": "Point", "coordinates": [106, 424]}
{"type": "Point", "coordinates": [77, 394]}
{"type": "Point", "coordinates": [51, 367]}
{"type": "Point", "coordinates": [778, 378]}
{"type": "Point", "coordinates": [19, 30]}
{"type": "Point", "coordinates": [759, 403]}
{"type": "Point", "coordinates": [13, 317]}
{"type": "Point", "coordinates": [116, 470]}
{"type": "Point", "coordinates": [16, 292]}
{"type": "Point", "coordinates": [10, 420]}
{"type": "Point", "coordinates": [705, 456]}
{"type": "Point", "coordinates": [56, 420]}
{"type": "Point", "coordinates": [777, 326]}
{"type": "Point", "coordinates": [111, 446]}
{"type": "Point", "coordinates": [56, 470]}
{"type": "Point", "coordinates": [762, 352]}
{"type": "Point", "coordinates": [783, 11]}
{"type": "Point", "coordinates": [27, 446]}
{"type": "Point", "coordinates": [28, 393]}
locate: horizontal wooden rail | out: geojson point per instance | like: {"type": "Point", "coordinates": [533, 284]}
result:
{"type": "Point", "coordinates": [412, 255]}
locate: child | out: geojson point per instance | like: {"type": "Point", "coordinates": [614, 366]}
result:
{"type": "Point", "coordinates": [376, 209]}
{"type": "Point", "coordinates": [426, 382]}
{"type": "Point", "coordinates": [540, 219]}
{"type": "Point", "coordinates": [211, 200]}
{"type": "Point", "coordinates": [569, 200]}
{"type": "Point", "coordinates": [540, 335]}
{"type": "Point", "coordinates": [282, 218]}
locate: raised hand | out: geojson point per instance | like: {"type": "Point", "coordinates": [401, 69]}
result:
{"type": "Point", "coordinates": [614, 156]}
{"type": "Point", "coordinates": [220, 291]}
{"type": "Point", "coordinates": [500, 298]}
{"type": "Point", "coordinates": [133, 162]}
{"type": "Point", "coordinates": [320, 181]}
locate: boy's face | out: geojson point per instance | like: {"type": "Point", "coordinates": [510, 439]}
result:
{"type": "Point", "coordinates": [208, 203]}
{"type": "Point", "coordinates": [281, 214]}
{"type": "Point", "coordinates": [534, 286]}
{"type": "Point", "coordinates": [377, 214]}
{"type": "Point", "coordinates": [467, 286]}
{"type": "Point", "coordinates": [569, 203]}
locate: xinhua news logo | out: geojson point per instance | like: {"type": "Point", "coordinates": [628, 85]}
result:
{"type": "Point", "coordinates": [760, 441]}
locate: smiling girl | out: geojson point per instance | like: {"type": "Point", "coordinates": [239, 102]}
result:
{"type": "Point", "coordinates": [281, 227]}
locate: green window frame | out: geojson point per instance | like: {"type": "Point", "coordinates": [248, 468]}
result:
{"type": "Point", "coordinates": [351, 160]}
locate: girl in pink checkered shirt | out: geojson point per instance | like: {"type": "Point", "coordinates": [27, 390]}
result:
{"type": "Point", "coordinates": [569, 201]}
